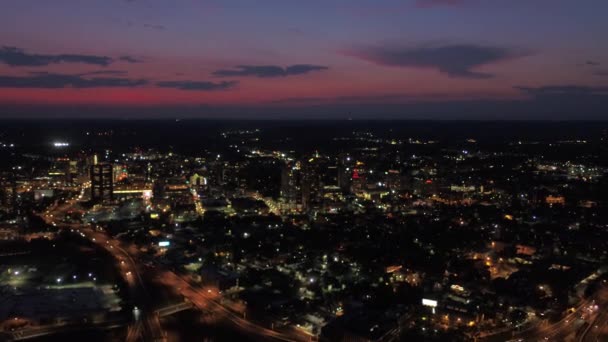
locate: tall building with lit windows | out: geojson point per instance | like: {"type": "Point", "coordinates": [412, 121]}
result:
{"type": "Point", "coordinates": [291, 186]}
{"type": "Point", "coordinates": [312, 183]}
{"type": "Point", "coordinates": [102, 182]}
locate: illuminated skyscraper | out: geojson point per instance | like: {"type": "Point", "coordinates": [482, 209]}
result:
{"type": "Point", "coordinates": [102, 182]}
{"type": "Point", "coordinates": [312, 182]}
{"type": "Point", "coordinates": [393, 180]}
{"type": "Point", "coordinates": [291, 186]}
{"type": "Point", "coordinates": [357, 181]}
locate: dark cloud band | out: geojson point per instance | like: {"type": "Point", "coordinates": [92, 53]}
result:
{"type": "Point", "coordinates": [17, 57]}
{"type": "Point", "coordinates": [44, 80]}
{"type": "Point", "coordinates": [455, 60]}
{"type": "Point", "coordinates": [130, 59]}
{"type": "Point", "coordinates": [198, 85]}
{"type": "Point", "coordinates": [267, 71]}
{"type": "Point", "coordinates": [564, 90]}
{"type": "Point", "coordinates": [57, 81]}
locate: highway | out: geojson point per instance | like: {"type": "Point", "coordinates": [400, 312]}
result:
{"type": "Point", "coordinates": [40, 331]}
{"type": "Point", "coordinates": [598, 327]}
{"type": "Point", "coordinates": [208, 299]}
{"type": "Point", "coordinates": [133, 333]}
{"type": "Point", "coordinates": [147, 324]}
{"type": "Point", "coordinates": [148, 327]}
{"type": "Point", "coordinates": [570, 328]}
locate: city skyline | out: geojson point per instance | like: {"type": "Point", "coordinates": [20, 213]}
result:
{"type": "Point", "coordinates": [190, 230]}
{"type": "Point", "coordinates": [419, 59]}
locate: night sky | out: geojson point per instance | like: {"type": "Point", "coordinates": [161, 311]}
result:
{"type": "Point", "coordinates": [422, 59]}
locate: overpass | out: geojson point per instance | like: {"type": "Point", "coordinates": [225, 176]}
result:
{"type": "Point", "coordinates": [173, 309]}
{"type": "Point", "coordinates": [47, 330]}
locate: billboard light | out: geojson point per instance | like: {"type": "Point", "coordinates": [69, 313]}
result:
{"type": "Point", "coordinates": [429, 302]}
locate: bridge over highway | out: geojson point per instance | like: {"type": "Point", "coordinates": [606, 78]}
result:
{"type": "Point", "coordinates": [47, 330]}
{"type": "Point", "coordinates": [173, 309]}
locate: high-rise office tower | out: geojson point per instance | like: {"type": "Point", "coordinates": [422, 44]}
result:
{"type": "Point", "coordinates": [291, 186]}
{"type": "Point", "coordinates": [102, 182]}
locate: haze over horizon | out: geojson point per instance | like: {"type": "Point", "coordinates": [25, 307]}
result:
{"type": "Point", "coordinates": [361, 59]}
